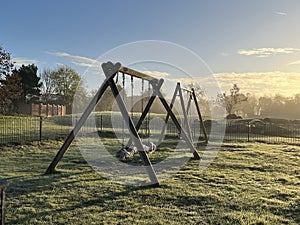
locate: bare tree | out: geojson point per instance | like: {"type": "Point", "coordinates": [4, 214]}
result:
{"type": "Point", "coordinates": [233, 101]}
{"type": "Point", "coordinates": [48, 88]}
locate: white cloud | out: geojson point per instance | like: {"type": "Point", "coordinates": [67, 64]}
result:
{"type": "Point", "coordinates": [294, 63]}
{"type": "Point", "coordinates": [280, 13]}
{"type": "Point", "coordinates": [258, 83]}
{"type": "Point", "coordinates": [261, 83]}
{"type": "Point", "coordinates": [77, 60]}
{"type": "Point", "coordinates": [22, 61]}
{"type": "Point", "coordinates": [156, 73]}
{"type": "Point", "coordinates": [266, 52]}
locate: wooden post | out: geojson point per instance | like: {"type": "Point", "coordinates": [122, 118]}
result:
{"type": "Point", "coordinates": [200, 116]}
{"type": "Point", "coordinates": [3, 185]}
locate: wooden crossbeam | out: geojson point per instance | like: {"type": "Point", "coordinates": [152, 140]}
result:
{"type": "Point", "coordinates": [137, 74]}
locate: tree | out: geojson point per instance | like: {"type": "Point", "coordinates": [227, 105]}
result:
{"type": "Point", "coordinates": [291, 108]}
{"type": "Point", "coordinates": [31, 85]}
{"type": "Point", "coordinates": [233, 101]}
{"type": "Point", "coordinates": [9, 83]}
{"type": "Point", "coordinates": [264, 104]}
{"type": "Point", "coordinates": [280, 106]}
{"type": "Point", "coordinates": [6, 64]}
{"type": "Point", "coordinates": [199, 92]}
{"type": "Point", "coordinates": [250, 107]}
{"type": "Point", "coordinates": [107, 100]}
{"type": "Point", "coordinates": [48, 88]}
{"type": "Point", "coordinates": [10, 92]}
{"type": "Point", "coordinates": [200, 95]}
{"type": "Point", "coordinates": [65, 82]}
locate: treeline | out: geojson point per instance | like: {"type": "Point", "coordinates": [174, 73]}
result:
{"type": "Point", "coordinates": [280, 106]}
{"type": "Point", "coordinates": [248, 105]}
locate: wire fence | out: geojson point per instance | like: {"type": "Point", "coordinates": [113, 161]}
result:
{"type": "Point", "coordinates": [21, 129]}
{"type": "Point", "coordinates": [257, 131]}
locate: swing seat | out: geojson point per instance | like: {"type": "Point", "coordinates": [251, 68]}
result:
{"type": "Point", "coordinates": [127, 152]}
{"type": "Point", "coordinates": [150, 147]}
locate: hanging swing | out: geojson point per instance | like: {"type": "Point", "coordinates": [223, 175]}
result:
{"type": "Point", "coordinates": [129, 150]}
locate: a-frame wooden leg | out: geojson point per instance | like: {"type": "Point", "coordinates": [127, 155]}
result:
{"type": "Point", "coordinates": [188, 106]}
{"type": "Point", "coordinates": [185, 118]}
{"type": "Point", "coordinates": [200, 116]}
{"type": "Point", "coordinates": [130, 125]}
{"type": "Point", "coordinates": [78, 125]}
{"type": "Point", "coordinates": [168, 116]}
{"type": "Point", "coordinates": [175, 121]}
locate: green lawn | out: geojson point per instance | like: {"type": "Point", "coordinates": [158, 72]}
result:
{"type": "Point", "coordinates": [248, 183]}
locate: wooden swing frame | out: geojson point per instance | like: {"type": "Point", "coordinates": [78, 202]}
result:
{"type": "Point", "coordinates": [185, 109]}
{"type": "Point", "coordinates": [111, 70]}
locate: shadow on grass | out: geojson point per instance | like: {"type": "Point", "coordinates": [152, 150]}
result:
{"type": "Point", "coordinates": [40, 183]}
{"type": "Point", "coordinates": [100, 201]}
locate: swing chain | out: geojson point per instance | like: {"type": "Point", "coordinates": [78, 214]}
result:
{"type": "Point", "coordinates": [132, 86]}
{"type": "Point", "coordinates": [123, 122]}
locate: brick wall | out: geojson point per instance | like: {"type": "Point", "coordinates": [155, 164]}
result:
{"type": "Point", "coordinates": [41, 109]}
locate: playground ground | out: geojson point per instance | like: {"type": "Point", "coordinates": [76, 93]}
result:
{"type": "Point", "coordinates": [248, 183]}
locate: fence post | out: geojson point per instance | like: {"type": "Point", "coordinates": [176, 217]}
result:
{"type": "Point", "coordinates": [3, 185]}
{"type": "Point", "coordinates": [41, 127]}
{"type": "Point", "coordinates": [248, 131]}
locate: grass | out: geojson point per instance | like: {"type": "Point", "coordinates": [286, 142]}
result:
{"type": "Point", "coordinates": [248, 183]}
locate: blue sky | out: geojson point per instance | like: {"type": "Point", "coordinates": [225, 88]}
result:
{"type": "Point", "coordinates": [253, 43]}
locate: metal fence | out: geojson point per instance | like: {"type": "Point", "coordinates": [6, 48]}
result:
{"type": "Point", "coordinates": [21, 129]}
{"type": "Point", "coordinates": [257, 131]}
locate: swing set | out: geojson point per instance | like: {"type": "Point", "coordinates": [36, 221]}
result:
{"type": "Point", "coordinates": [186, 110]}
{"type": "Point", "coordinates": [112, 72]}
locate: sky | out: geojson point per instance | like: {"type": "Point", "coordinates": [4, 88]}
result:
{"type": "Point", "coordinates": [253, 43]}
